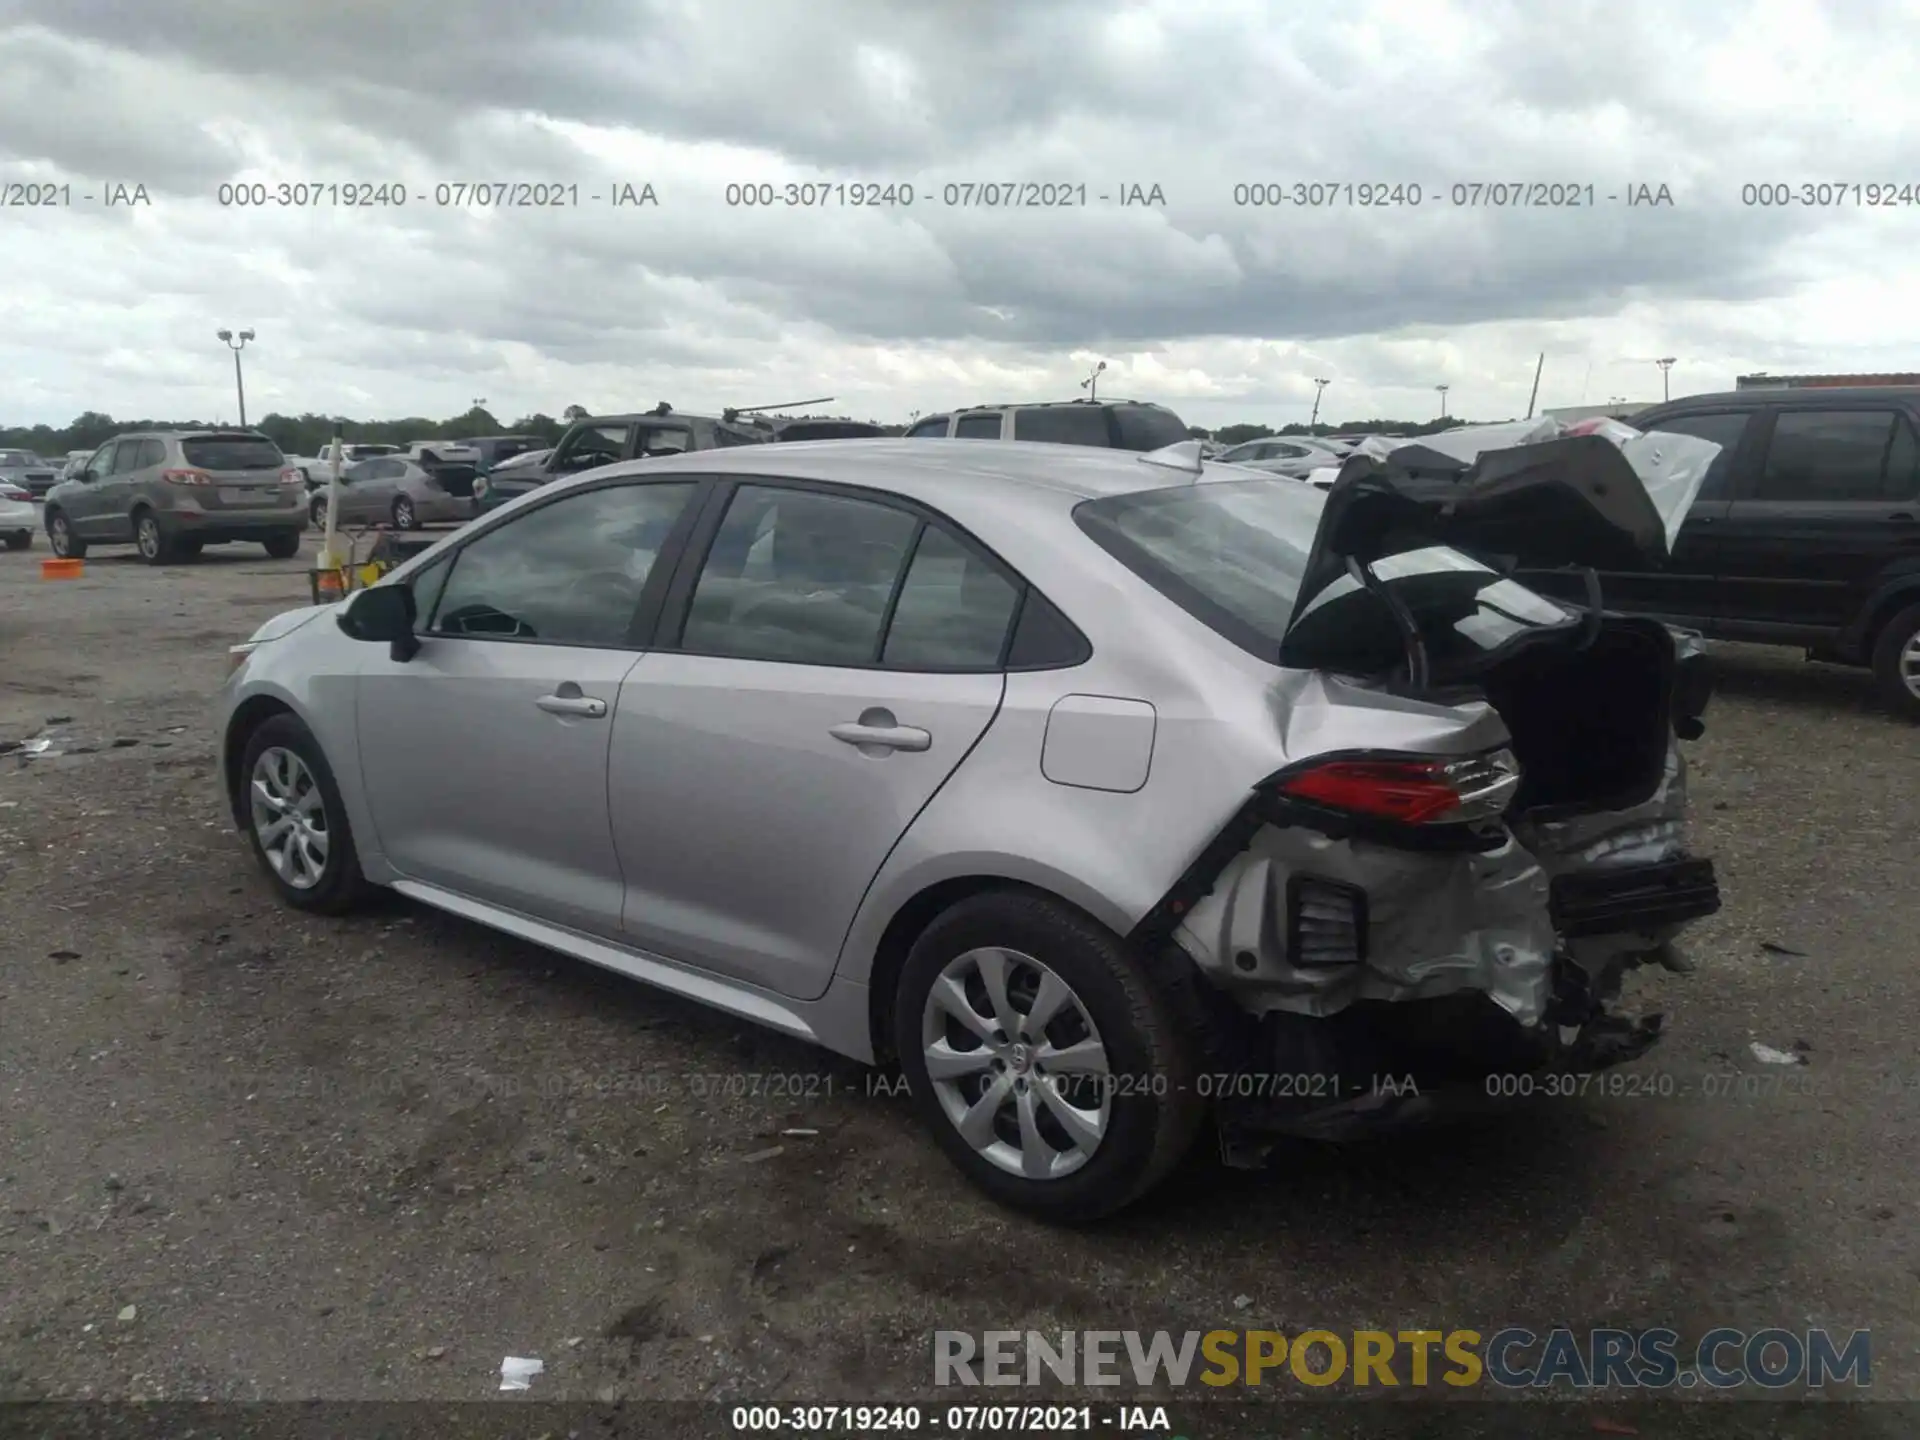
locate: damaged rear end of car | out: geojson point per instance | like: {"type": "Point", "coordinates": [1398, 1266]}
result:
{"type": "Point", "coordinates": [1475, 827]}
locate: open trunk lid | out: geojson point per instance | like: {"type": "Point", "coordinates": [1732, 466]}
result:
{"type": "Point", "coordinates": [1599, 498]}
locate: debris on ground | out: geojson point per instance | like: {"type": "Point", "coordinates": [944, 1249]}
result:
{"type": "Point", "coordinates": [517, 1372]}
{"type": "Point", "coordinates": [757, 1156]}
{"type": "Point", "coordinates": [1774, 947]}
{"type": "Point", "coordinates": [127, 1314]}
{"type": "Point", "coordinates": [1767, 1055]}
{"type": "Point", "coordinates": [799, 1132]}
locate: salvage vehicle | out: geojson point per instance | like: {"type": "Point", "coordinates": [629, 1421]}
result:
{"type": "Point", "coordinates": [170, 492]}
{"type": "Point", "coordinates": [403, 491]}
{"type": "Point", "coordinates": [1109, 794]}
{"type": "Point", "coordinates": [607, 439]}
{"type": "Point", "coordinates": [1805, 533]}
{"type": "Point", "coordinates": [18, 518]}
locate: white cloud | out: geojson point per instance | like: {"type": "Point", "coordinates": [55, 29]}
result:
{"type": "Point", "coordinates": [1225, 311]}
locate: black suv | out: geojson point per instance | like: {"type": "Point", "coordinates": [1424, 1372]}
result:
{"type": "Point", "coordinates": [1115, 424]}
{"type": "Point", "coordinates": [607, 439]}
{"type": "Point", "coordinates": [1806, 530]}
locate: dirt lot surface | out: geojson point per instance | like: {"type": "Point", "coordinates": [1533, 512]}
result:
{"type": "Point", "coordinates": [367, 1158]}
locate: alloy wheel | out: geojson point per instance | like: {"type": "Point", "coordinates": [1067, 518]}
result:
{"type": "Point", "coordinates": [59, 535]}
{"type": "Point", "coordinates": [1910, 665]}
{"type": "Point", "coordinates": [1016, 1063]}
{"type": "Point", "coordinates": [403, 513]}
{"type": "Point", "coordinates": [289, 817]}
{"type": "Point", "coordinates": [147, 536]}
{"type": "Point", "coordinates": [317, 512]}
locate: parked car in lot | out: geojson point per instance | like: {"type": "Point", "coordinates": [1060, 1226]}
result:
{"type": "Point", "coordinates": [607, 439]}
{"type": "Point", "coordinates": [401, 491]}
{"type": "Point", "coordinates": [1806, 533]}
{"type": "Point", "coordinates": [74, 462]}
{"type": "Point", "coordinates": [1107, 424]}
{"type": "Point", "coordinates": [489, 451]}
{"type": "Point", "coordinates": [170, 492]}
{"type": "Point", "coordinates": [28, 471]}
{"type": "Point", "coordinates": [1139, 774]}
{"type": "Point", "coordinates": [1294, 455]}
{"type": "Point", "coordinates": [813, 427]}
{"type": "Point", "coordinates": [18, 516]}
{"type": "Point", "coordinates": [317, 469]}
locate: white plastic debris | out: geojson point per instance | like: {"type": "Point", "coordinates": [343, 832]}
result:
{"type": "Point", "coordinates": [517, 1372]}
{"type": "Point", "coordinates": [1241, 1302]}
{"type": "Point", "coordinates": [1767, 1055]}
{"type": "Point", "coordinates": [799, 1131]}
{"type": "Point", "coordinates": [127, 1313]}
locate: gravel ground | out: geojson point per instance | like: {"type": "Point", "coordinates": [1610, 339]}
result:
{"type": "Point", "coordinates": [367, 1158]}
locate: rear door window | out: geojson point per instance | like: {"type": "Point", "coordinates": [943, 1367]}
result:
{"type": "Point", "coordinates": [126, 459]}
{"type": "Point", "coordinates": [1063, 425]}
{"type": "Point", "coordinates": [1827, 456]}
{"type": "Point", "coordinates": [594, 445]}
{"type": "Point", "coordinates": [932, 426]}
{"type": "Point", "coordinates": [231, 452]}
{"type": "Point", "coordinates": [664, 440]}
{"type": "Point", "coordinates": [152, 452]}
{"type": "Point", "coordinates": [984, 426]}
{"type": "Point", "coordinates": [953, 611]}
{"type": "Point", "coordinates": [798, 577]}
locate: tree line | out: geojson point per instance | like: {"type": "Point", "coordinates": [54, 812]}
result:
{"type": "Point", "coordinates": [308, 434]}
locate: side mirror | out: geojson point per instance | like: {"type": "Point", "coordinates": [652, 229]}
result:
{"type": "Point", "coordinates": [384, 612]}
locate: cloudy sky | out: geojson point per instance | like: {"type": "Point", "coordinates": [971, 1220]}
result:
{"type": "Point", "coordinates": [1225, 310]}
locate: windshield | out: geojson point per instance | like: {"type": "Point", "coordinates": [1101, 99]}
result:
{"type": "Point", "coordinates": [12, 459]}
{"type": "Point", "coordinates": [232, 452]}
{"type": "Point", "coordinates": [1233, 554]}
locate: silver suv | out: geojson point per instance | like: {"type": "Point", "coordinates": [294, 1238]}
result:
{"type": "Point", "coordinates": [1109, 424]}
{"type": "Point", "coordinates": [169, 492]}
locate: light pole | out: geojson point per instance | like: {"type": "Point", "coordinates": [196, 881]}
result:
{"type": "Point", "coordinates": [1666, 365]}
{"type": "Point", "coordinates": [1443, 399]}
{"type": "Point", "coordinates": [239, 385]}
{"type": "Point", "coordinates": [1320, 388]}
{"type": "Point", "coordinates": [1092, 383]}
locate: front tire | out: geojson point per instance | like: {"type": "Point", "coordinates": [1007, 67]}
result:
{"type": "Point", "coordinates": [20, 540]}
{"type": "Point", "coordinates": [296, 821]}
{"type": "Point", "coordinates": [317, 512]}
{"type": "Point", "coordinates": [66, 545]}
{"type": "Point", "coordinates": [1051, 1068]}
{"type": "Point", "coordinates": [1896, 663]}
{"type": "Point", "coordinates": [404, 517]}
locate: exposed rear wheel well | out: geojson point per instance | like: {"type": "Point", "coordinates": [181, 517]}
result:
{"type": "Point", "coordinates": [248, 718]}
{"type": "Point", "coordinates": [1884, 614]}
{"type": "Point", "coordinates": [907, 925]}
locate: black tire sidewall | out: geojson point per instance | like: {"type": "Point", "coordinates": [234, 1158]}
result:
{"type": "Point", "coordinates": [72, 548]}
{"type": "Point", "coordinates": [1893, 638]}
{"type": "Point", "coordinates": [341, 879]}
{"type": "Point", "coordinates": [1093, 962]}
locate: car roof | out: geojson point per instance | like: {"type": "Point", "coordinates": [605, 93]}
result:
{"type": "Point", "coordinates": [966, 479]}
{"type": "Point", "coordinates": [652, 415]}
{"type": "Point", "coordinates": [1794, 394]}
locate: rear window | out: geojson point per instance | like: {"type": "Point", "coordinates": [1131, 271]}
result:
{"type": "Point", "coordinates": [231, 452]}
{"type": "Point", "coordinates": [1234, 554]}
{"type": "Point", "coordinates": [18, 457]}
{"type": "Point", "coordinates": [1148, 427]}
{"type": "Point", "coordinates": [1063, 425]}
{"type": "Point", "coordinates": [830, 430]}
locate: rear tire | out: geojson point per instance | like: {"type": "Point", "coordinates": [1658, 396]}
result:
{"type": "Point", "coordinates": [1896, 663]}
{"type": "Point", "coordinates": [404, 517]}
{"type": "Point", "coordinates": [317, 512]}
{"type": "Point", "coordinates": [283, 757]}
{"type": "Point", "coordinates": [156, 546]}
{"type": "Point", "coordinates": [20, 540]}
{"type": "Point", "coordinates": [66, 545]}
{"type": "Point", "coordinates": [1135, 1060]}
{"type": "Point", "coordinates": [282, 547]}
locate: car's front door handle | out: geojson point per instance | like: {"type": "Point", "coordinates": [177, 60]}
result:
{"type": "Point", "coordinates": [569, 701]}
{"type": "Point", "coordinates": [886, 736]}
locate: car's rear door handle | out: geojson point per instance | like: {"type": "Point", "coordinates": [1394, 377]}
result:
{"type": "Point", "coordinates": [568, 700]}
{"type": "Point", "coordinates": [884, 734]}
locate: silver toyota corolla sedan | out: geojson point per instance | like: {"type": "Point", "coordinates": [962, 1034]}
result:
{"type": "Point", "coordinates": [1116, 797]}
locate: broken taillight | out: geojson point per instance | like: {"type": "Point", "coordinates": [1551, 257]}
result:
{"type": "Point", "coordinates": [1411, 789]}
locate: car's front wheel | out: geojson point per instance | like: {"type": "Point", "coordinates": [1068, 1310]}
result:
{"type": "Point", "coordinates": [296, 820]}
{"type": "Point", "coordinates": [1896, 662]}
{"type": "Point", "coordinates": [1051, 1067]}
{"type": "Point", "coordinates": [404, 517]}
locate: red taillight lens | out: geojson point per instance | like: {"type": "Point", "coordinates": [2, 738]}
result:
{"type": "Point", "coordinates": [1411, 791]}
{"type": "Point", "coordinates": [186, 477]}
{"type": "Point", "coordinates": [291, 476]}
